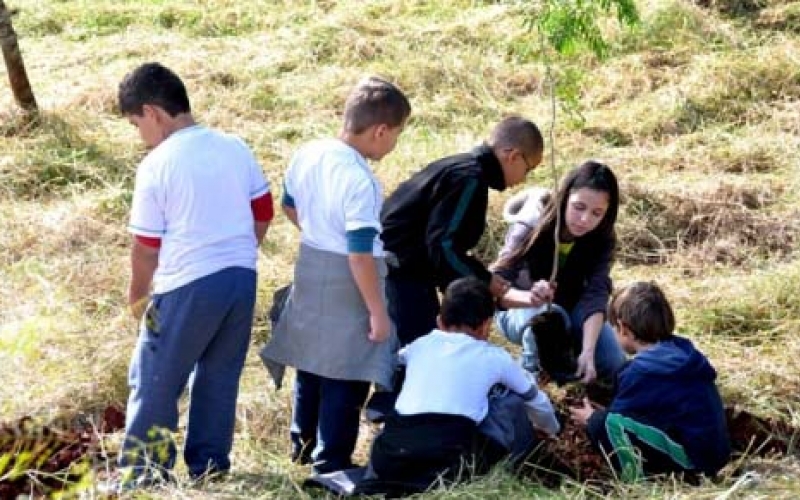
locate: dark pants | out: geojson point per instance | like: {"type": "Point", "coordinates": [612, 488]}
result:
{"type": "Point", "coordinates": [202, 328]}
{"type": "Point", "coordinates": [413, 307]}
{"type": "Point", "coordinates": [416, 451]}
{"type": "Point", "coordinates": [325, 420]}
{"type": "Point", "coordinates": [507, 424]}
{"type": "Point", "coordinates": [636, 449]}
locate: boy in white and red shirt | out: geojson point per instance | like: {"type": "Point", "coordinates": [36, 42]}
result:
{"type": "Point", "coordinates": [201, 207]}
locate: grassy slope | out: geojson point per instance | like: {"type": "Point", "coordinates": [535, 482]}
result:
{"type": "Point", "coordinates": [697, 111]}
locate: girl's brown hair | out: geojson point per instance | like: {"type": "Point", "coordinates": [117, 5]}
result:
{"type": "Point", "coordinates": [591, 174]}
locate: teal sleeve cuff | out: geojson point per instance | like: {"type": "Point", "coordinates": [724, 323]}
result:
{"type": "Point", "coordinates": [361, 240]}
{"type": "Point", "coordinates": [286, 199]}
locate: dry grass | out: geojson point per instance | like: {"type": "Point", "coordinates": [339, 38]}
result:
{"type": "Point", "coordinates": [728, 224]}
{"type": "Point", "coordinates": [698, 110]}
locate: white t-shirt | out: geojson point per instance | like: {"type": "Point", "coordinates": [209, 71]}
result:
{"type": "Point", "coordinates": [334, 191]}
{"type": "Point", "coordinates": [452, 373]}
{"type": "Point", "coordinates": [193, 191]}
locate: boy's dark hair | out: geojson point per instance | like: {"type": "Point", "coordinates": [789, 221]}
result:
{"type": "Point", "coordinates": [644, 309]}
{"type": "Point", "coordinates": [516, 132]}
{"type": "Point", "coordinates": [375, 101]}
{"type": "Point", "coordinates": [154, 84]}
{"type": "Point", "coordinates": [467, 302]}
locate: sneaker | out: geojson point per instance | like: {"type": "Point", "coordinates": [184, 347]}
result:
{"type": "Point", "coordinates": [322, 468]}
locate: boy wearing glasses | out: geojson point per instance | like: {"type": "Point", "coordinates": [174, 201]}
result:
{"type": "Point", "coordinates": [433, 220]}
{"type": "Point", "coordinates": [667, 415]}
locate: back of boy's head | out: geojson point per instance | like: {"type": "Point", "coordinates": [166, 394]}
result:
{"type": "Point", "coordinates": [516, 132]}
{"type": "Point", "coordinates": [467, 302]}
{"type": "Point", "coordinates": [375, 101]}
{"type": "Point", "coordinates": [152, 84]}
{"type": "Point", "coordinates": [644, 309]}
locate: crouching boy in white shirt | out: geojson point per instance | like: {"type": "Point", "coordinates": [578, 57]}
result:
{"type": "Point", "coordinates": [434, 434]}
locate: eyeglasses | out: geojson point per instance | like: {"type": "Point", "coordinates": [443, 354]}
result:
{"type": "Point", "coordinates": [528, 167]}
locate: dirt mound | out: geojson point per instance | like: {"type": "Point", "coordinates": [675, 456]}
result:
{"type": "Point", "coordinates": [42, 459]}
{"type": "Point", "coordinates": [759, 436]}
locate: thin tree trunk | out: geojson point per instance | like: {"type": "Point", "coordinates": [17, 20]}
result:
{"type": "Point", "coordinates": [20, 85]}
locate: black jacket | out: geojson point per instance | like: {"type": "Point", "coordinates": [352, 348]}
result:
{"type": "Point", "coordinates": [436, 217]}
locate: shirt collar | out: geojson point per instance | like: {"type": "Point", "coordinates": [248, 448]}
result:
{"type": "Point", "coordinates": [490, 166]}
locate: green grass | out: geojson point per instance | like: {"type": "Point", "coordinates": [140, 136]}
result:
{"type": "Point", "coordinates": [696, 110]}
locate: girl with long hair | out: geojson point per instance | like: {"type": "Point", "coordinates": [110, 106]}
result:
{"type": "Point", "coordinates": [588, 202]}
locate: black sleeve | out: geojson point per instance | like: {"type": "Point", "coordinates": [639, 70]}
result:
{"type": "Point", "coordinates": [454, 227]}
{"type": "Point", "coordinates": [595, 295]}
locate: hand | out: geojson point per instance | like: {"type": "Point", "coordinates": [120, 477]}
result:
{"type": "Point", "coordinates": [380, 326]}
{"type": "Point", "coordinates": [542, 292]}
{"type": "Point", "coordinates": [138, 305]}
{"type": "Point", "coordinates": [499, 286]}
{"type": "Point", "coordinates": [581, 414]}
{"type": "Point", "coordinates": [586, 369]}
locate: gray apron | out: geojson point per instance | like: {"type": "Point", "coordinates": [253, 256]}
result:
{"type": "Point", "coordinates": [324, 324]}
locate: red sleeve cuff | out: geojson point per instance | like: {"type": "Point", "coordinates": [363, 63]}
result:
{"type": "Point", "coordinates": [149, 242]}
{"type": "Point", "coordinates": [263, 210]}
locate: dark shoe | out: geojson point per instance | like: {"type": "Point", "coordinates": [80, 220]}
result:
{"type": "Point", "coordinates": [210, 475]}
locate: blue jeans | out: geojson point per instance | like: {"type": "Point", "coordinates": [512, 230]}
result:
{"type": "Point", "coordinates": [201, 329]}
{"type": "Point", "coordinates": [513, 324]}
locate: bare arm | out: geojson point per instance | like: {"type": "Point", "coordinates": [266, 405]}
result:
{"type": "Point", "coordinates": [540, 294]}
{"type": "Point", "coordinates": [144, 260]}
{"type": "Point", "coordinates": [261, 231]}
{"type": "Point", "coordinates": [591, 332]}
{"type": "Point", "coordinates": [516, 298]}
{"type": "Point", "coordinates": [365, 273]}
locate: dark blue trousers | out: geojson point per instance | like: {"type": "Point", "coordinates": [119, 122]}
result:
{"type": "Point", "coordinates": [325, 420]}
{"type": "Point", "coordinates": [200, 329]}
{"type": "Point", "coordinates": [413, 307]}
